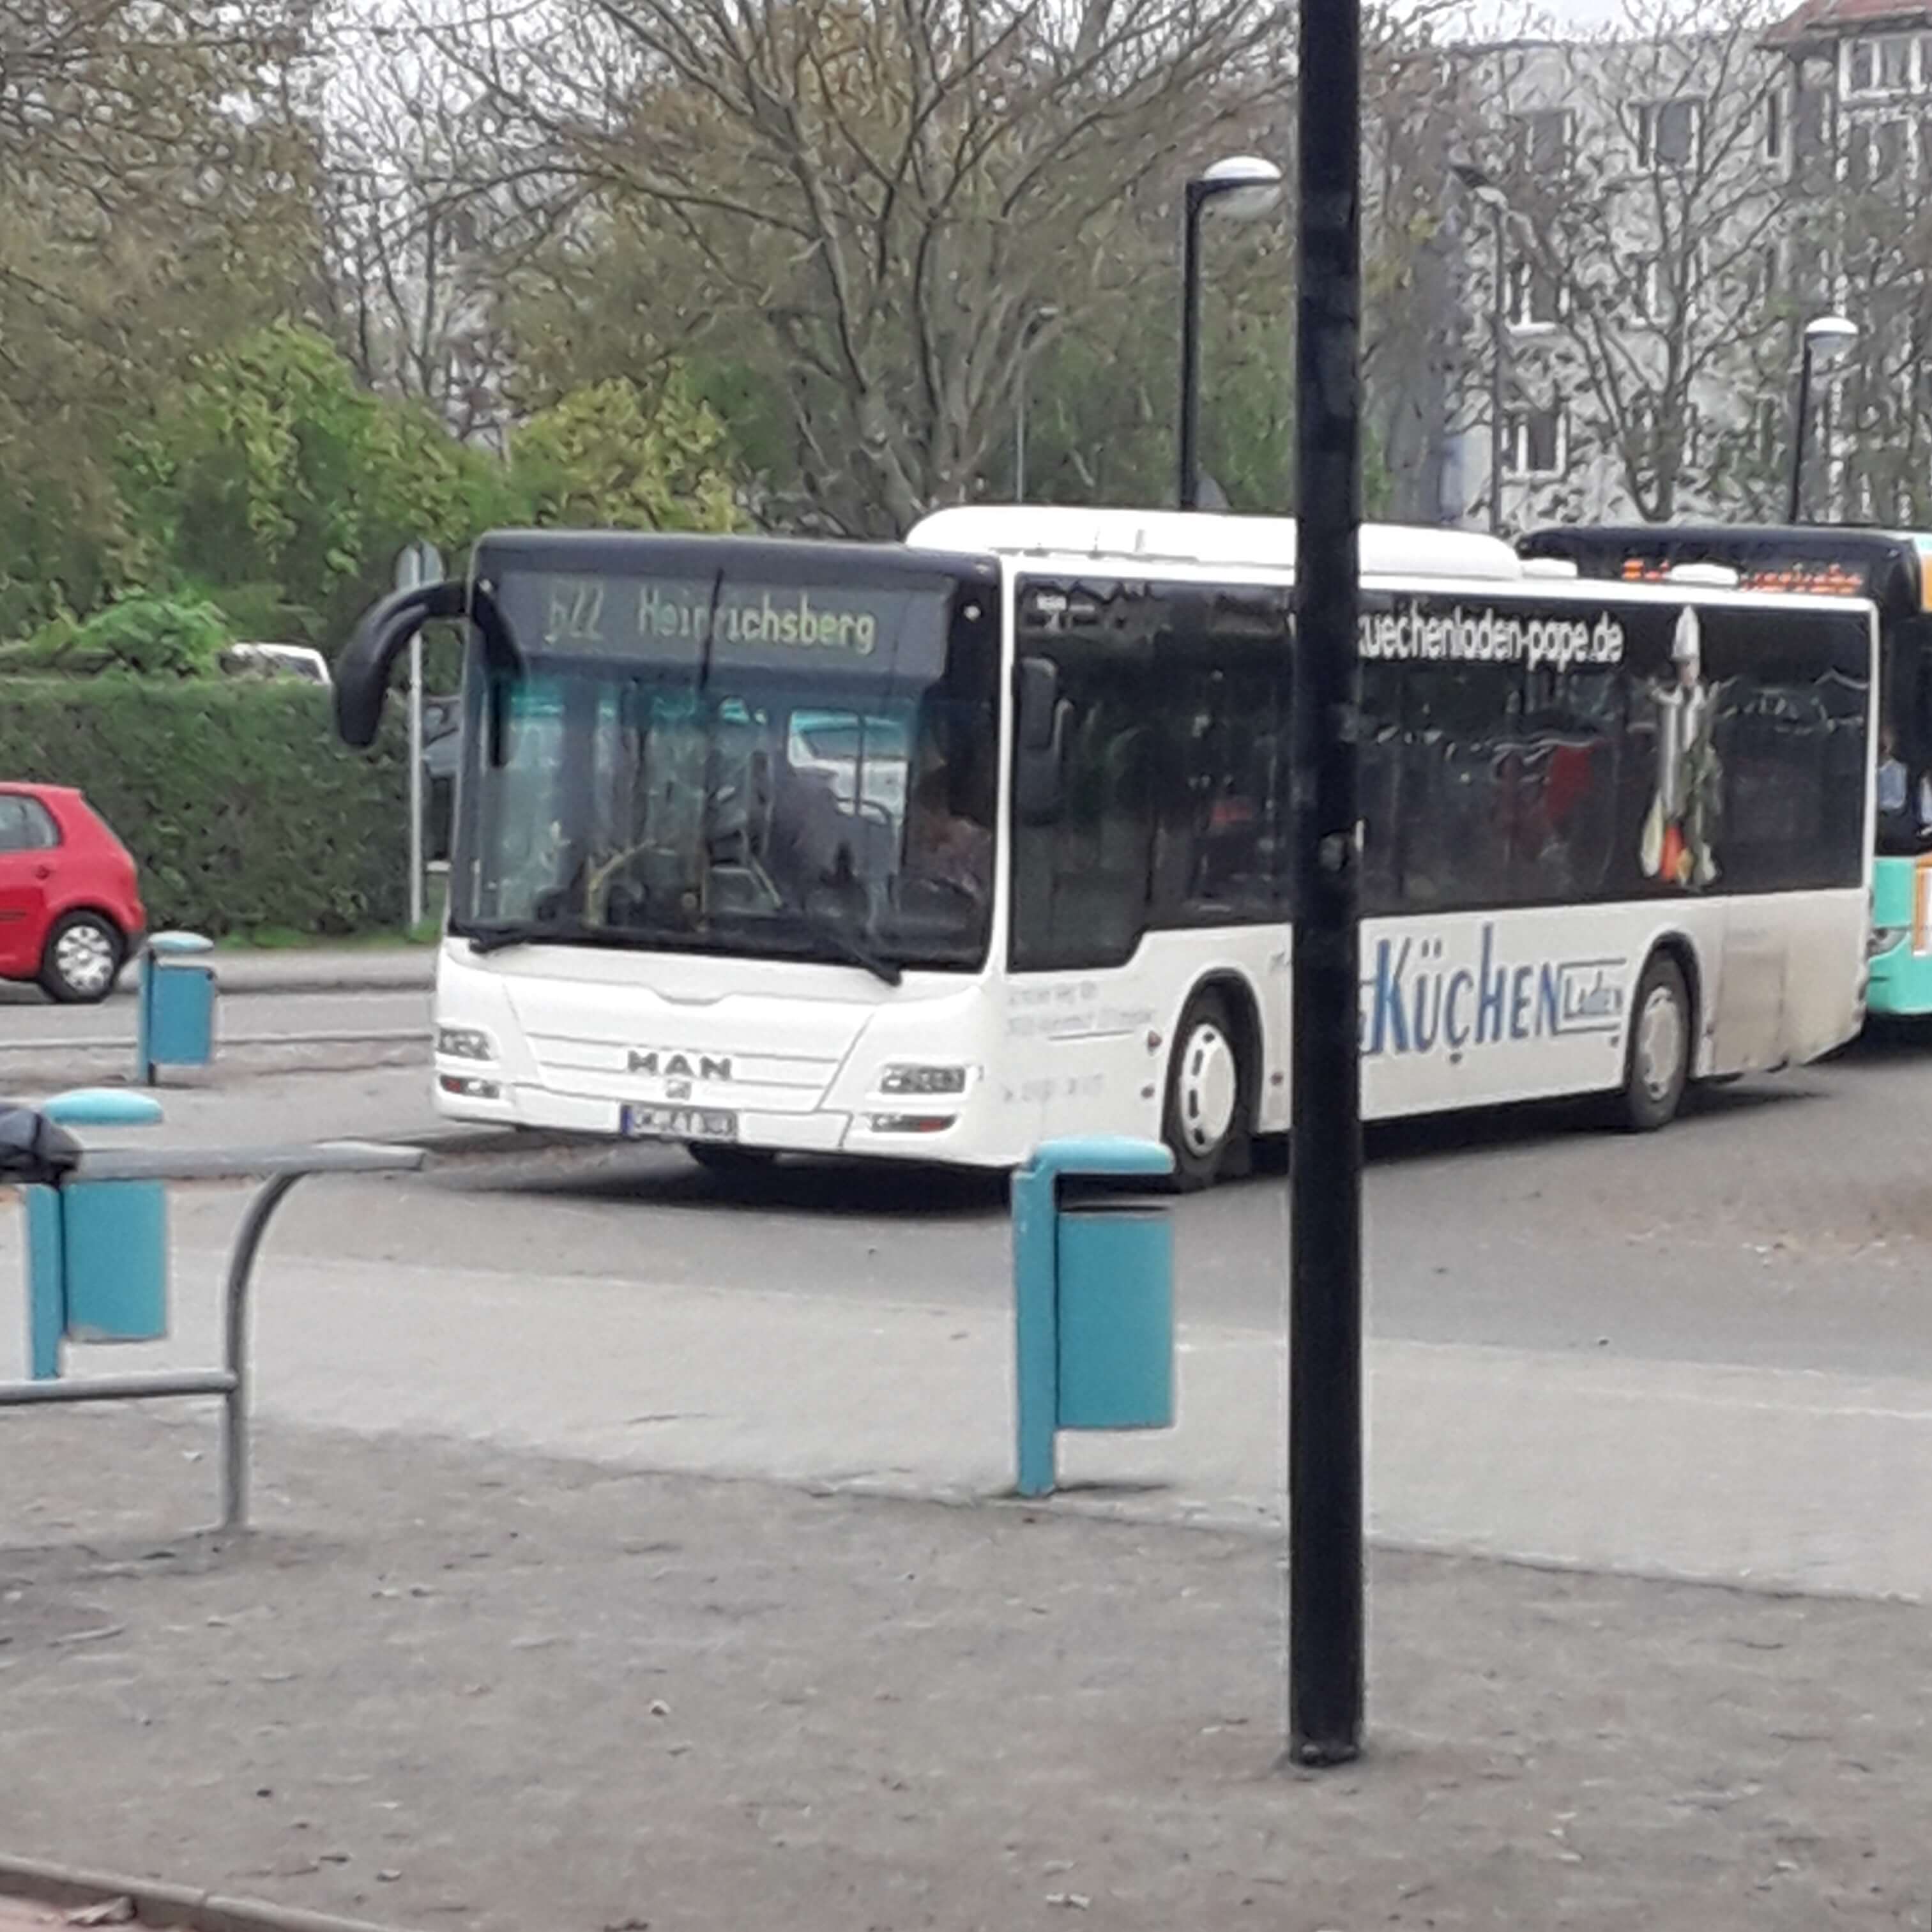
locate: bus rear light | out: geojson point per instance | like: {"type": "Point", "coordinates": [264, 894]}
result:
{"type": "Point", "coordinates": [911, 1123]}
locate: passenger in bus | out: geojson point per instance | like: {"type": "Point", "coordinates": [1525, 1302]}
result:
{"type": "Point", "coordinates": [1903, 817]}
{"type": "Point", "coordinates": [943, 845]}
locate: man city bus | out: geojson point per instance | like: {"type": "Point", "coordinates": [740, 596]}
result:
{"type": "Point", "coordinates": [940, 849]}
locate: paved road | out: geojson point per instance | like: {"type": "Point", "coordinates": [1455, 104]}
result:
{"type": "Point", "coordinates": [26, 1021]}
{"type": "Point", "coordinates": [1787, 1224]}
{"type": "Point", "coordinates": [1706, 1352]}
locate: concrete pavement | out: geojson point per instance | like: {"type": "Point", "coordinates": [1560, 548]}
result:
{"type": "Point", "coordinates": [460, 1686]}
{"type": "Point", "coordinates": [1813, 1482]}
{"type": "Point", "coordinates": [632, 1550]}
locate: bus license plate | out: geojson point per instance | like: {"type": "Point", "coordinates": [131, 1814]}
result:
{"type": "Point", "coordinates": [678, 1124]}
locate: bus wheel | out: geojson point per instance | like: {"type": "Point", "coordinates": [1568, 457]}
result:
{"type": "Point", "coordinates": [1206, 1121]}
{"type": "Point", "coordinates": [1657, 1064]}
{"type": "Point", "coordinates": [735, 1163]}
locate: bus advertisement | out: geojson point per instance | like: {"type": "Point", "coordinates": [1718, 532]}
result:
{"type": "Point", "coordinates": [940, 849]}
{"type": "Point", "coordinates": [1893, 571]}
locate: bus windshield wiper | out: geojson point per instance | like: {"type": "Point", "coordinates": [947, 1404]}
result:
{"type": "Point", "coordinates": [523, 932]}
{"type": "Point", "coordinates": [849, 947]}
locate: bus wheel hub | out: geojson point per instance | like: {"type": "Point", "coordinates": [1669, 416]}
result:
{"type": "Point", "coordinates": [1210, 1085]}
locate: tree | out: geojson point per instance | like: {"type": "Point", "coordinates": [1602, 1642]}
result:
{"type": "Point", "coordinates": [155, 154]}
{"type": "Point", "coordinates": [610, 455]}
{"type": "Point", "coordinates": [871, 206]}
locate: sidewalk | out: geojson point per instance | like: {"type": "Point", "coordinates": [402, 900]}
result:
{"type": "Point", "coordinates": [457, 1686]}
{"type": "Point", "coordinates": [344, 969]}
{"type": "Point", "coordinates": [368, 1319]}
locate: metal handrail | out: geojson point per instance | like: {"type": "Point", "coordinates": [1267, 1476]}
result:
{"type": "Point", "coordinates": [279, 1168]}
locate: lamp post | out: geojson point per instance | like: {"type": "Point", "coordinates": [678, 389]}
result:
{"type": "Point", "coordinates": [1482, 189]}
{"type": "Point", "coordinates": [1046, 313]}
{"type": "Point", "coordinates": [1246, 186]}
{"type": "Point", "coordinates": [1828, 341]}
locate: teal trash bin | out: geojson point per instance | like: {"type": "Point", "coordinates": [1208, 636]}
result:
{"type": "Point", "coordinates": [174, 1017]}
{"type": "Point", "coordinates": [1116, 1318]}
{"type": "Point", "coordinates": [1092, 1296]}
{"type": "Point", "coordinates": [97, 1250]}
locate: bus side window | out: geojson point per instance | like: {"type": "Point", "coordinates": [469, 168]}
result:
{"type": "Point", "coordinates": [1461, 723]}
{"type": "Point", "coordinates": [1565, 834]}
{"type": "Point", "coordinates": [1080, 882]}
{"type": "Point", "coordinates": [1381, 791]}
{"type": "Point", "coordinates": [1218, 691]}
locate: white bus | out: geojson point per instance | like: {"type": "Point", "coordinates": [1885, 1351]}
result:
{"type": "Point", "coordinates": [938, 850]}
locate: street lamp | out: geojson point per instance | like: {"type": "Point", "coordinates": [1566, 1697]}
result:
{"type": "Point", "coordinates": [1828, 341]}
{"type": "Point", "coordinates": [1246, 186]}
{"type": "Point", "coordinates": [1482, 189]}
{"type": "Point", "coordinates": [1046, 314]}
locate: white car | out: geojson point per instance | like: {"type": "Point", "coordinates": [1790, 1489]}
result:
{"type": "Point", "coordinates": [276, 660]}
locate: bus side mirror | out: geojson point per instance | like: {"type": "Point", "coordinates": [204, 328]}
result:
{"type": "Point", "coordinates": [362, 673]}
{"type": "Point", "coordinates": [1040, 768]}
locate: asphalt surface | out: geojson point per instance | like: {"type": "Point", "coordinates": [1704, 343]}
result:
{"type": "Point", "coordinates": [1786, 1222]}
{"type": "Point", "coordinates": [29, 1022]}
{"type": "Point", "coordinates": [1706, 1352]}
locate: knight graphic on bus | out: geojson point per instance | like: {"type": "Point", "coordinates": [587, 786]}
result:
{"type": "Point", "coordinates": [1678, 826]}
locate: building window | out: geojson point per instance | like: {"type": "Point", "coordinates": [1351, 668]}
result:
{"type": "Point", "coordinates": [1669, 134]}
{"type": "Point", "coordinates": [1656, 295]}
{"type": "Point", "coordinates": [1648, 284]}
{"type": "Point", "coordinates": [1774, 126]}
{"type": "Point", "coordinates": [1533, 441]}
{"type": "Point", "coordinates": [1535, 297]}
{"type": "Point", "coordinates": [1770, 423]}
{"type": "Point", "coordinates": [1542, 143]}
{"type": "Point", "coordinates": [1876, 155]}
{"type": "Point", "coordinates": [1883, 64]}
{"type": "Point", "coordinates": [1810, 126]}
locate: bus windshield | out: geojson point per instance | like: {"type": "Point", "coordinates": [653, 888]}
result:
{"type": "Point", "coordinates": [736, 765]}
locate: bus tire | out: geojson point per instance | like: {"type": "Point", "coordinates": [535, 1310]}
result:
{"type": "Point", "coordinates": [732, 1163]}
{"type": "Point", "coordinates": [1207, 1121]}
{"type": "Point", "coordinates": [1656, 1061]}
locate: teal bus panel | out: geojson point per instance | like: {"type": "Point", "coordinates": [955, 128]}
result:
{"type": "Point", "coordinates": [1901, 966]}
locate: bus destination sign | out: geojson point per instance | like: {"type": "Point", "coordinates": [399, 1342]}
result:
{"type": "Point", "coordinates": [680, 622]}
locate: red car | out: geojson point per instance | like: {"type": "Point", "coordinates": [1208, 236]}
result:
{"type": "Point", "coordinates": [71, 908]}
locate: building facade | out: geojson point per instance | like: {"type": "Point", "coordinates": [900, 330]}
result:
{"type": "Point", "coordinates": [1643, 228]}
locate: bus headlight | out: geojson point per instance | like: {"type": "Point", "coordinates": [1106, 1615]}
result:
{"type": "Point", "coordinates": [464, 1043]}
{"type": "Point", "coordinates": [1882, 939]}
{"type": "Point", "coordinates": [923, 1080]}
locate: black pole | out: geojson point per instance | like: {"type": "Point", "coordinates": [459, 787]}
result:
{"type": "Point", "coordinates": [1188, 494]}
{"type": "Point", "coordinates": [1800, 425]}
{"type": "Point", "coordinates": [1498, 356]}
{"type": "Point", "coordinates": [1326, 1667]}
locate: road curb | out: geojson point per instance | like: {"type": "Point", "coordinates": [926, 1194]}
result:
{"type": "Point", "coordinates": [66, 1888]}
{"type": "Point", "coordinates": [244, 987]}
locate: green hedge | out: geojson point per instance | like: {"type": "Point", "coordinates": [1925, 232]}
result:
{"type": "Point", "coordinates": [239, 806]}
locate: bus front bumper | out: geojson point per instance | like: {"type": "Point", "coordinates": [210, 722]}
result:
{"type": "Point", "coordinates": [910, 1130]}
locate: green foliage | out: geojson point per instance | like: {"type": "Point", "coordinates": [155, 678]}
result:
{"type": "Point", "coordinates": [147, 637]}
{"type": "Point", "coordinates": [271, 467]}
{"type": "Point", "coordinates": [609, 453]}
{"type": "Point", "coordinates": [242, 809]}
